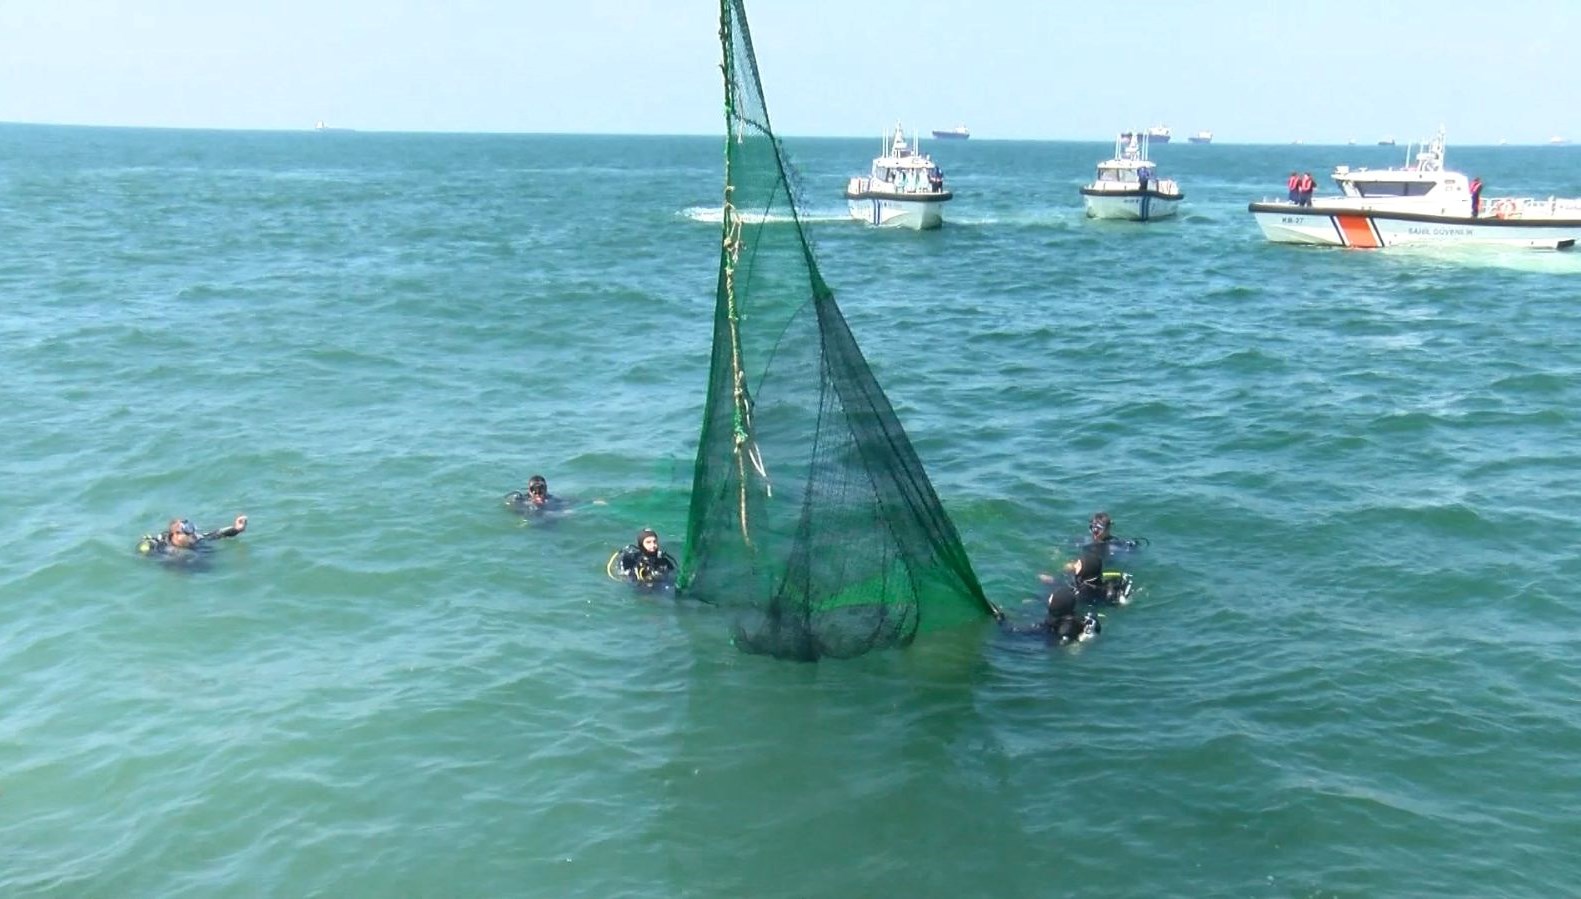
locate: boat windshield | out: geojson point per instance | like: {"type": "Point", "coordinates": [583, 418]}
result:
{"type": "Point", "coordinates": [1394, 188]}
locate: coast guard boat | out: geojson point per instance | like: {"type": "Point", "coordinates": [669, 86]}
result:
{"type": "Point", "coordinates": [904, 190]}
{"type": "Point", "coordinates": [1118, 192]}
{"type": "Point", "coordinates": [1420, 203]}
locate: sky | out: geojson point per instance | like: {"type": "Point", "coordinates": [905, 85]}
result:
{"type": "Point", "coordinates": [1251, 72]}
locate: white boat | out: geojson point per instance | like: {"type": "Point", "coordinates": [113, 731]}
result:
{"type": "Point", "coordinates": [1201, 137]}
{"type": "Point", "coordinates": [1421, 203]}
{"type": "Point", "coordinates": [1158, 134]}
{"type": "Point", "coordinates": [959, 132]}
{"type": "Point", "coordinates": [1118, 192]}
{"type": "Point", "coordinates": [904, 190]}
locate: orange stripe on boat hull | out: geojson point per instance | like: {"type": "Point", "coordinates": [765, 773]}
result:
{"type": "Point", "coordinates": [1357, 231]}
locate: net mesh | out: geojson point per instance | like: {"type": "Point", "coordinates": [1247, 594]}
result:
{"type": "Point", "coordinates": [811, 513]}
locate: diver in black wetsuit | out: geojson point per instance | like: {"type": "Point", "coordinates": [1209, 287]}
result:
{"type": "Point", "coordinates": [535, 500]}
{"type": "Point", "coordinates": [1062, 623]}
{"type": "Point", "coordinates": [182, 535]}
{"type": "Point", "coordinates": [1099, 526]}
{"type": "Point", "coordinates": [1081, 580]}
{"type": "Point", "coordinates": [1114, 587]}
{"type": "Point", "coordinates": [644, 563]}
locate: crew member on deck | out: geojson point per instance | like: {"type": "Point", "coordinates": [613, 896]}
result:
{"type": "Point", "coordinates": [1294, 185]}
{"type": "Point", "coordinates": [1306, 187]}
{"type": "Point", "coordinates": [1476, 195]}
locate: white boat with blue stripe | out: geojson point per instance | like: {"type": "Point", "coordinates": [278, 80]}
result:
{"type": "Point", "coordinates": [904, 190]}
{"type": "Point", "coordinates": [1128, 188]}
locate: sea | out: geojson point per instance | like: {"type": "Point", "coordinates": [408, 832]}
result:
{"type": "Point", "coordinates": [1350, 668]}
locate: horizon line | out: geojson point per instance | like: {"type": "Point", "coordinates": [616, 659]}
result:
{"type": "Point", "coordinates": [335, 129]}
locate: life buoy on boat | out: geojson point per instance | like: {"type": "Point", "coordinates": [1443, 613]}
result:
{"type": "Point", "coordinates": [1503, 209]}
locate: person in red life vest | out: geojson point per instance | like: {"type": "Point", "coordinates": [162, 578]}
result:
{"type": "Point", "coordinates": [1294, 185]}
{"type": "Point", "coordinates": [1476, 195]}
{"type": "Point", "coordinates": [1305, 188]}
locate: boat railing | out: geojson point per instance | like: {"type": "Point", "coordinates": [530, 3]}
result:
{"type": "Point", "coordinates": [1529, 208]}
{"type": "Point", "coordinates": [906, 186]}
{"type": "Point", "coordinates": [1163, 185]}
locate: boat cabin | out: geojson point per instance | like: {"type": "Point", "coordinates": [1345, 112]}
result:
{"type": "Point", "coordinates": [1122, 173]}
{"type": "Point", "coordinates": [901, 169]}
{"type": "Point", "coordinates": [1119, 170]}
{"type": "Point", "coordinates": [1423, 185]}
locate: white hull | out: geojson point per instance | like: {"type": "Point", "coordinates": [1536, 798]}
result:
{"type": "Point", "coordinates": [1131, 206]}
{"type": "Point", "coordinates": [893, 213]}
{"type": "Point", "coordinates": [1368, 229]}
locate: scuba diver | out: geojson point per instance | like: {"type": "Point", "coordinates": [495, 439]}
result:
{"type": "Point", "coordinates": [1112, 587]}
{"type": "Point", "coordinates": [535, 500]}
{"type": "Point", "coordinates": [1062, 623]}
{"type": "Point", "coordinates": [643, 564]}
{"type": "Point", "coordinates": [1098, 526]}
{"type": "Point", "coordinates": [182, 537]}
{"type": "Point", "coordinates": [1080, 581]}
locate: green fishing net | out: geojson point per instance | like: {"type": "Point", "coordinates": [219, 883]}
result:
{"type": "Point", "coordinates": [811, 515]}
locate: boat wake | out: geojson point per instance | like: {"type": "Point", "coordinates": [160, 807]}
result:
{"type": "Point", "coordinates": [1511, 258]}
{"type": "Point", "coordinates": [715, 215]}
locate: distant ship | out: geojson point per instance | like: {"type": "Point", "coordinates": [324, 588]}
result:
{"type": "Point", "coordinates": [1386, 142]}
{"type": "Point", "coordinates": [1158, 134]}
{"type": "Point", "coordinates": [1201, 137]}
{"type": "Point", "coordinates": [1556, 140]}
{"type": "Point", "coordinates": [959, 132]}
{"type": "Point", "coordinates": [320, 126]}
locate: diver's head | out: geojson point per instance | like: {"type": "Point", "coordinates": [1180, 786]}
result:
{"type": "Point", "coordinates": [537, 488]}
{"type": "Point", "coordinates": [648, 540]}
{"type": "Point", "coordinates": [183, 527]}
{"type": "Point", "coordinates": [1099, 525]}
